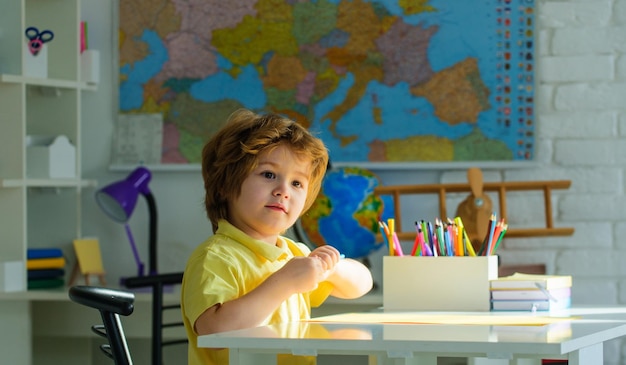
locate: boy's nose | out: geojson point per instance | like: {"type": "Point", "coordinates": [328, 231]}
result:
{"type": "Point", "coordinates": [280, 190]}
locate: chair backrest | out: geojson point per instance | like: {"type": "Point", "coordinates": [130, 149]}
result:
{"type": "Point", "coordinates": [111, 304]}
{"type": "Point", "coordinates": [158, 283]}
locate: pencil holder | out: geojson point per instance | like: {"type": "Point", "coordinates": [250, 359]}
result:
{"type": "Point", "coordinates": [35, 65]}
{"type": "Point", "coordinates": [90, 66]}
{"type": "Point", "coordinates": [426, 283]}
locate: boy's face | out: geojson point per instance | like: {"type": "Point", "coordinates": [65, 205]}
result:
{"type": "Point", "coordinates": [272, 196]}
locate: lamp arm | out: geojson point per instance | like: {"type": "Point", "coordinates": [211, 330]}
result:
{"type": "Point", "coordinates": [152, 210]}
{"type": "Point", "coordinates": [140, 267]}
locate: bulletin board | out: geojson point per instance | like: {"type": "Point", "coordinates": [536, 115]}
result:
{"type": "Point", "coordinates": [388, 82]}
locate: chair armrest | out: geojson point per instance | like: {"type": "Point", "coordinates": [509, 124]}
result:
{"type": "Point", "coordinates": [110, 300]}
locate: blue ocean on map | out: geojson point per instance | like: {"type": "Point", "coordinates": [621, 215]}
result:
{"type": "Point", "coordinates": [131, 90]}
{"type": "Point", "coordinates": [396, 104]}
{"type": "Point", "coordinates": [247, 88]}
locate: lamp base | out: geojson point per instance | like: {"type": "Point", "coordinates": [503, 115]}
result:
{"type": "Point", "coordinates": [137, 289]}
{"type": "Point", "coordinates": [160, 282]}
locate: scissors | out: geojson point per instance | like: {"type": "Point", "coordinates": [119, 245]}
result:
{"type": "Point", "coordinates": [37, 39]}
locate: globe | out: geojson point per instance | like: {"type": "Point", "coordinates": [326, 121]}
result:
{"type": "Point", "coordinates": [345, 214]}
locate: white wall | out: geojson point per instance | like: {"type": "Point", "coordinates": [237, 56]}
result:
{"type": "Point", "coordinates": [182, 223]}
{"type": "Point", "coordinates": [581, 124]}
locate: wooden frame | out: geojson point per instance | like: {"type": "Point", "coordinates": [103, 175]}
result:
{"type": "Point", "coordinates": [396, 191]}
{"type": "Point", "coordinates": [88, 261]}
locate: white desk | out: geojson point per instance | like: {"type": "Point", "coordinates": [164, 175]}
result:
{"type": "Point", "coordinates": [580, 340]}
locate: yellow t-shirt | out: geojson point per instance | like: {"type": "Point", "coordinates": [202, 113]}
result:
{"type": "Point", "coordinates": [227, 266]}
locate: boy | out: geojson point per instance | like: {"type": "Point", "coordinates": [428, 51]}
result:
{"type": "Point", "coordinates": [261, 172]}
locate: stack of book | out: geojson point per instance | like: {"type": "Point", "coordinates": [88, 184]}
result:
{"type": "Point", "coordinates": [45, 267]}
{"type": "Point", "coordinates": [529, 292]}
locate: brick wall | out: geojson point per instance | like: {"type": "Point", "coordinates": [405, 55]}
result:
{"type": "Point", "coordinates": [580, 70]}
{"type": "Point", "coordinates": [581, 124]}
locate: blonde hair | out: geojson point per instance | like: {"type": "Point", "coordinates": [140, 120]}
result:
{"type": "Point", "coordinates": [232, 153]}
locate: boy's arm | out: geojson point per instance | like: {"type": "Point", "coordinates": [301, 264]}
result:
{"type": "Point", "coordinates": [350, 279]}
{"type": "Point", "coordinates": [300, 274]}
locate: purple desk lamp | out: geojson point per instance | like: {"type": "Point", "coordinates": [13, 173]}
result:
{"type": "Point", "coordinates": [118, 201]}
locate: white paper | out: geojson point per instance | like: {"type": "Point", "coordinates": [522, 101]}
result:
{"type": "Point", "coordinates": [138, 139]}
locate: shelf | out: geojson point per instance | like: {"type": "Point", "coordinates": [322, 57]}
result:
{"type": "Point", "coordinates": [33, 81]}
{"type": "Point", "coordinates": [47, 183]}
{"type": "Point", "coordinates": [448, 166]}
{"type": "Point", "coordinates": [173, 167]}
{"type": "Point", "coordinates": [38, 211]}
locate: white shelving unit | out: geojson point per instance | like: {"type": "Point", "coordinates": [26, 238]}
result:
{"type": "Point", "coordinates": [36, 212]}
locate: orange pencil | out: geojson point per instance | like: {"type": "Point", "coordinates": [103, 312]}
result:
{"type": "Point", "coordinates": [384, 231]}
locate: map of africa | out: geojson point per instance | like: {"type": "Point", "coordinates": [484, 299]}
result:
{"type": "Point", "coordinates": [378, 81]}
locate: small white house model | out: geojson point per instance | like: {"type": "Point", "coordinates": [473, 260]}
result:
{"type": "Point", "coordinates": [50, 158]}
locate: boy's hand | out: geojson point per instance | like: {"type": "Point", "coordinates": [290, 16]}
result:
{"type": "Point", "coordinates": [301, 273]}
{"type": "Point", "coordinates": [328, 255]}
{"type": "Point", "coordinates": [305, 273]}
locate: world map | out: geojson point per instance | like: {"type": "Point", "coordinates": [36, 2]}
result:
{"type": "Point", "coordinates": [378, 81]}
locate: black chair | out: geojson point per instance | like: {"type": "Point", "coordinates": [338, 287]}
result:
{"type": "Point", "coordinates": [158, 282]}
{"type": "Point", "coordinates": [111, 304]}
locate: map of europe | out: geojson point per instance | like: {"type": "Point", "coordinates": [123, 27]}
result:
{"type": "Point", "coordinates": [379, 81]}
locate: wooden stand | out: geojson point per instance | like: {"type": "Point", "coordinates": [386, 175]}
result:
{"type": "Point", "coordinates": [75, 271]}
{"type": "Point", "coordinates": [88, 261]}
{"type": "Point", "coordinates": [501, 188]}
{"type": "Point", "coordinates": [396, 191]}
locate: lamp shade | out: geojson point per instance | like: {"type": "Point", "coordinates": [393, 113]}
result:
{"type": "Point", "coordinates": [118, 199]}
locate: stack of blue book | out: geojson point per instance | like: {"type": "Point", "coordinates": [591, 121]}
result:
{"type": "Point", "coordinates": [45, 268]}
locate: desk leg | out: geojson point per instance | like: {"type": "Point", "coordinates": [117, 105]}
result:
{"type": "Point", "coordinates": [590, 355]}
{"type": "Point", "coordinates": [526, 362]}
{"type": "Point", "coordinates": [16, 334]}
{"type": "Point", "coordinates": [372, 360]}
{"type": "Point", "coordinates": [422, 360]}
{"type": "Point", "coordinates": [402, 359]}
{"type": "Point", "coordinates": [486, 361]}
{"type": "Point", "coordinates": [239, 357]}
